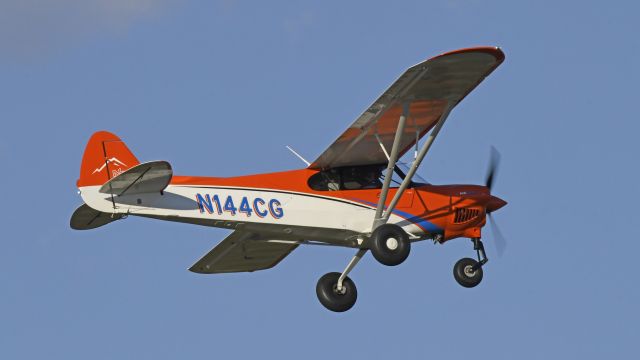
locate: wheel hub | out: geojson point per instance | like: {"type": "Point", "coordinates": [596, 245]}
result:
{"type": "Point", "coordinates": [392, 243]}
{"type": "Point", "coordinates": [468, 270]}
{"type": "Point", "coordinates": [341, 291]}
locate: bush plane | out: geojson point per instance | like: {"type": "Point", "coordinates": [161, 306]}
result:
{"type": "Point", "coordinates": [356, 194]}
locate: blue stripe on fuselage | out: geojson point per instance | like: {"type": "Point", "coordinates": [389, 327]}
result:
{"type": "Point", "coordinates": [417, 220]}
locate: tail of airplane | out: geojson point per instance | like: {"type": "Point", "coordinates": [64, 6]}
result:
{"type": "Point", "coordinates": [105, 157]}
{"type": "Point", "coordinates": [111, 170]}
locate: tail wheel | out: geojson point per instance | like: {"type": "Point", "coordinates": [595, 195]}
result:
{"type": "Point", "coordinates": [390, 244]}
{"type": "Point", "coordinates": [332, 298]}
{"type": "Point", "coordinates": [465, 274]}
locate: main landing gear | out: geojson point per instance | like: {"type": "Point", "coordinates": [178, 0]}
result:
{"type": "Point", "coordinates": [389, 244]}
{"type": "Point", "coordinates": [467, 271]}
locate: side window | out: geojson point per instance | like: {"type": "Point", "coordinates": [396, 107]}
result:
{"type": "Point", "coordinates": [361, 177]}
{"type": "Point", "coordinates": [348, 178]}
{"type": "Point", "coordinates": [325, 181]}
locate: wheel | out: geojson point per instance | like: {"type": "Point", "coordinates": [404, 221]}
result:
{"type": "Point", "coordinates": [464, 274]}
{"type": "Point", "coordinates": [390, 244]}
{"type": "Point", "coordinates": [333, 299]}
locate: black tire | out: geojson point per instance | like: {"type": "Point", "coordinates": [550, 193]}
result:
{"type": "Point", "coordinates": [330, 297]}
{"type": "Point", "coordinates": [463, 274]}
{"type": "Point", "coordinates": [386, 251]}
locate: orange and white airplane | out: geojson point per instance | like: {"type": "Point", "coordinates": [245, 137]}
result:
{"type": "Point", "coordinates": [355, 194]}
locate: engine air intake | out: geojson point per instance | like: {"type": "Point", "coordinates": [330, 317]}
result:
{"type": "Point", "coordinates": [465, 214]}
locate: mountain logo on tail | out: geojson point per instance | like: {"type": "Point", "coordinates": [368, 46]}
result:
{"type": "Point", "coordinates": [113, 160]}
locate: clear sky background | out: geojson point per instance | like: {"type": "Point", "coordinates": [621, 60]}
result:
{"type": "Point", "coordinates": [220, 87]}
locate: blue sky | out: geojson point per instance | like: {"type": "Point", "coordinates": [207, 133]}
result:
{"type": "Point", "coordinates": [219, 87]}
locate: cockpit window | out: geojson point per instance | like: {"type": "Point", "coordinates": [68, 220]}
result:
{"type": "Point", "coordinates": [403, 168]}
{"type": "Point", "coordinates": [360, 178]}
{"type": "Point", "coordinates": [325, 180]}
{"type": "Point", "coordinates": [348, 178]}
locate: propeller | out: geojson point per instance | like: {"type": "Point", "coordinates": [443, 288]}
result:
{"type": "Point", "coordinates": [498, 239]}
{"type": "Point", "coordinates": [494, 163]}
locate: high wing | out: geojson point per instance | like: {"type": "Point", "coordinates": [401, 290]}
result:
{"type": "Point", "coordinates": [243, 251]}
{"type": "Point", "coordinates": [428, 88]}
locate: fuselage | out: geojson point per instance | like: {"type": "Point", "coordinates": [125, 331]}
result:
{"type": "Point", "coordinates": [284, 204]}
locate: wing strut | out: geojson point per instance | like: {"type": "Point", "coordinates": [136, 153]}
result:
{"type": "Point", "coordinates": [384, 150]}
{"type": "Point", "coordinates": [382, 215]}
{"type": "Point", "coordinates": [379, 220]}
{"type": "Point", "coordinates": [393, 158]}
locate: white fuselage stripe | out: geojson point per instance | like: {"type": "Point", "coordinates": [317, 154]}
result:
{"type": "Point", "coordinates": [238, 204]}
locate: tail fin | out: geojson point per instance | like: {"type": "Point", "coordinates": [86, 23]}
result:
{"type": "Point", "coordinates": [105, 157]}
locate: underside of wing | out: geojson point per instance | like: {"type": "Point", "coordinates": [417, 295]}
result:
{"type": "Point", "coordinates": [428, 89]}
{"type": "Point", "coordinates": [150, 177]}
{"type": "Point", "coordinates": [241, 252]}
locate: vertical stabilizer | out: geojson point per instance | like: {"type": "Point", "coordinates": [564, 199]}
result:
{"type": "Point", "coordinates": [105, 157]}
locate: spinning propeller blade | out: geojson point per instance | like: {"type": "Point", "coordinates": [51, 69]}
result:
{"type": "Point", "coordinates": [492, 171]}
{"type": "Point", "coordinates": [498, 239]}
{"type": "Point", "coordinates": [494, 163]}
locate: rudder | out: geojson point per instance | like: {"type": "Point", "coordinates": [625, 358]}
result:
{"type": "Point", "coordinates": [106, 156]}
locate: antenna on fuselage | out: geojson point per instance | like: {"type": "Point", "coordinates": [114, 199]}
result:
{"type": "Point", "coordinates": [298, 155]}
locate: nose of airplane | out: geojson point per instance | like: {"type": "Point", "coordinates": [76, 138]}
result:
{"type": "Point", "coordinates": [495, 203]}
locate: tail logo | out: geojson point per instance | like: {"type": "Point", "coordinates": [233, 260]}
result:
{"type": "Point", "coordinates": [113, 160]}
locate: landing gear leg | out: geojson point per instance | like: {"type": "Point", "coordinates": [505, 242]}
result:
{"type": "Point", "coordinates": [478, 246]}
{"type": "Point", "coordinates": [467, 271]}
{"type": "Point", "coordinates": [336, 291]}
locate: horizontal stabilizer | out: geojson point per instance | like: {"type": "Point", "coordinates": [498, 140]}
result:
{"type": "Point", "coordinates": [85, 218]}
{"type": "Point", "coordinates": [242, 251]}
{"type": "Point", "coordinates": [150, 177]}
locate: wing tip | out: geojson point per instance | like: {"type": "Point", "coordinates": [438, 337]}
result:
{"type": "Point", "coordinates": [196, 270]}
{"type": "Point", "coordinates": [200, 269]}
{"type": "Point", "coordinates": [496, 51]}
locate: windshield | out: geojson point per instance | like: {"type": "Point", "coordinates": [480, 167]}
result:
{"type": "Point", "coordinates": [404, 168]}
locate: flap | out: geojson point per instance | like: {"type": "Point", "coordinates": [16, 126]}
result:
{"type": "Point", "coordinates": [242, 251]}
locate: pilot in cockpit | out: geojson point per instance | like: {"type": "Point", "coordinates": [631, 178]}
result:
{"type": "Point", "coordinates": [372, 179]}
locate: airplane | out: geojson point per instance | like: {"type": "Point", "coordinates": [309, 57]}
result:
{"type": "Point", "coordinates": [356, 194]}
